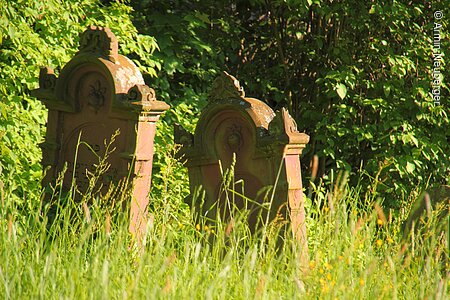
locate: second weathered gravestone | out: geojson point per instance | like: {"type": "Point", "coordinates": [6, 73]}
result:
{"type": "Point", "coordinates": [436, 198]}
{"type": "Point", "coordinates": [98, 93]}
{"type": "Point", "coordinates": [266, 147]}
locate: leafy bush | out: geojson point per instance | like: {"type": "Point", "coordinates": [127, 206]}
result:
{"type": "Point", "coordinates": [34, 34]}
{"type": "Point", "coordinates": [355, 75]}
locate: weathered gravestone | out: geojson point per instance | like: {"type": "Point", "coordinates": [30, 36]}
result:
{"type": "Point", "coordinates": [266, 147]}
{"type": "Point", "coordinates": [97, 93]}
{"type": "Point", "coordinates": [434, 199]}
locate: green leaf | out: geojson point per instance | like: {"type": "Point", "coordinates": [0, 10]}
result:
{"type": "Point", "coordinates": [341, 90]}
{"type": "Point", "coordinates": [202, 16]}
{"type": "Point", "coordinates": [11, 32]}
{"type": "Point", "coordinates": [410, 167]}
{"type": "Point", "coordinates": [414, 140]}
{"type": "Point", "coordinates": [387, 90]}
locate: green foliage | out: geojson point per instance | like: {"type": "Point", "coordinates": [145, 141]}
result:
{"type": "Point", "coordinates": [355, 75]}
{"type": "Point", "coordinates": [34, 34]}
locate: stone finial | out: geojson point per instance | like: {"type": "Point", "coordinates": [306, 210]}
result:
{"type": "Point", "coordinates": [283, 126]}
{"type": "Point", "coordinates": [182, 136]}
{"type": "Point", "coordinates": [225, 86]}
{"type": "Point", "coordinates": [141, 93]}
{"type": "Point", "coordinates": [99, 40]}
{"type": "Point", "coordinates": [47, 78]}
{"type": "Point", "coordinates": [145, 98]}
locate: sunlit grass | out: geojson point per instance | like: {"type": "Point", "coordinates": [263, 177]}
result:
{"type": "Point", "coordinates": [356, 251]}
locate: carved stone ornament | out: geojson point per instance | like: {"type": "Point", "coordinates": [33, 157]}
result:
{"type": "Point", "coordinates": [144, 97]}
{"type": "Point", "coordinates": [283, 127]}
{"type": "Point", "coordinates": [234, 139]}
{"type": "Point", "coordinates": [224, 87]}
{"type": "Point", "coordinates": [98, 93]}
{"type": "Point", "coordinates": [246, 134]}
{"type": "Point", "coordinates": [99, 41]}
{"type": "Point", "coordinates": [182, 136]}
{"type": "Point", "coordinates": [47, 78]}
{"type": "Point", "coordinates": [96, 96]}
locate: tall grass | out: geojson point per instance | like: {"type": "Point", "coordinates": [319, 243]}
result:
{"type": "Point", "coordinates": [356, 251]}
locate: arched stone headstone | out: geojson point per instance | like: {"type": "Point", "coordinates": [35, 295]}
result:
{"type": "Point", "coordinates": [266, 146]}
{"type": "Point", "coordinates": [435, 198]}
{"type": "Point", "coordinates": [97, 93]}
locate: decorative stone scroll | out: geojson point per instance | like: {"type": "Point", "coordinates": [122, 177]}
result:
{"type": "Point", "coordinates": [97, 93]}
{"type": "Point", "coordinates": [266, 147]}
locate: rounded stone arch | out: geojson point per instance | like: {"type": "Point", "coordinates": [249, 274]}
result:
{"type": "Point", "coordinates": [244, 118]}
{"type": "Point", "coordinates": [96, 80]}
{"type": "Point", "coordinates": [225, 129]}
